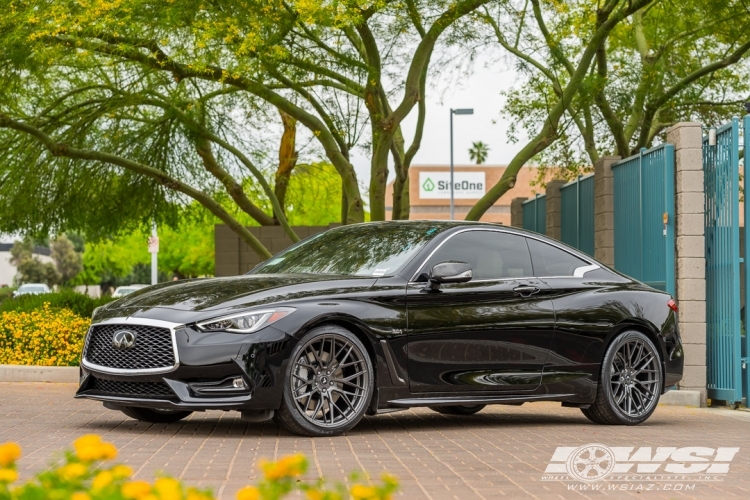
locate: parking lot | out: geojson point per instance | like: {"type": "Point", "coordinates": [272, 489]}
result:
{"type": "Point", "coordinates": [501, 452]}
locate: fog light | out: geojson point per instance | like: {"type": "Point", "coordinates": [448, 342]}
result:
{"type": "Point", "coordinates": [238, 383]}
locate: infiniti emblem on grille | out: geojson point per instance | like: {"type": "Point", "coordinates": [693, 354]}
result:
{"type": "Point", "coordinates": [123, 339]}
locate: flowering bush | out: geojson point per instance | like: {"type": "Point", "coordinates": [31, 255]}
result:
{"type": "Point", "coordinates": [44, 337]}
{"type": "Point", "coordinates": [84, 476]}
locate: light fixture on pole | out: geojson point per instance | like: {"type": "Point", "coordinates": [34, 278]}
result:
{"type": "Point", "coordinates": [462, 111]}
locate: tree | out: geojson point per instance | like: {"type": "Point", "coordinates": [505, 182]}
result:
{"type": "Point", "coordinates": [137, 88]}
{"type": "Point", "coordinates": [67, 260]}
{"type": "Point", "coordinates": [29, 268]}
{"type": "Point", "coordinates": [478, 152]}
{"type": "Point", "coordinates": [561, 41]}
{"type": "Point", "coordinates": [667, 63]}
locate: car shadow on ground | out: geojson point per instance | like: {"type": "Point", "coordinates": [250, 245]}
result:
{"type": "Point", "coordinates": [229, 424]}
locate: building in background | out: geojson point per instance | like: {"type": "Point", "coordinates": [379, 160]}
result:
{"type": "Point", "coordinates": [8, 270]}
{"type": "Point", "coordinates": [429, 191]}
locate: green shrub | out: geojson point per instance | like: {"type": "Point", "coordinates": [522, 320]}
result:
{"type": "Point", "coordinates": [81, 304]}
{"type": "Point", "coordinates": [6, 293]}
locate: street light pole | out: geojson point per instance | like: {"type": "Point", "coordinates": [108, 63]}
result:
{"type": "Point", "coordinates": [463, 111]}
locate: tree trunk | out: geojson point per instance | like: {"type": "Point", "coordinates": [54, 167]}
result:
{"type": "Point", "coordinates": [287, 159]}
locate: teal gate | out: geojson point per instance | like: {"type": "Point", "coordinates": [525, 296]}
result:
{"type": "Point", "coordinates": [644, 217]}
{"type": "Point", "coordinates": [577, 217]}
{"type": "Point", "coordinates": [726, 346]}
{"type": "Point", "coordinates": [535, 214]}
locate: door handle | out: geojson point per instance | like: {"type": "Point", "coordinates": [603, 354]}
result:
{"type": "Point", "coordinates": [526, 290]}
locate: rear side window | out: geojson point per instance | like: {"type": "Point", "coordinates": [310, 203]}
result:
{"type": "Point", "coordinates": [552, 261]}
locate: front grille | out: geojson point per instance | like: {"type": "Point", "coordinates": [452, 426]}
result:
{"type": "Point", "coordinates": [152, 348]}
{"type": "Point", "coordinates": [139, 389]}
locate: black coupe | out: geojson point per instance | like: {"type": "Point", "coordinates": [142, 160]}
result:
{"type": "Point", "coordinates": [376, 317]}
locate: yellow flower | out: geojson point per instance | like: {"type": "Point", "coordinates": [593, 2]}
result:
{"type": "Point", "coordinates": [362, 492]}
{"type": "Point", "coordinates": [102, 480]}
{"type": "Point", "coordinates": [289, 466]}
{"type": "Point", "coordinates": [108, 451]}
{"type": "Point", "coordinates": [314, 495]}
{"type": "Point", "coordinates": [80, 496]}
{"type": "Point", "coordinates": [122, 471]}
{"type": "Point", "coordinates": [71, 472]}
{"type": "Point", "coordinates": [168, 488]}
{"type": "Point", "coordinates": [248, 493]}
{"type": "Point", "coordinates": [9, 453]}
{"type": "Point", "coordinates": [8, 475]}
{"type": "Point", "coordinates": [136, 489]}
{"type": "Point", "coordinates": [193, 494]}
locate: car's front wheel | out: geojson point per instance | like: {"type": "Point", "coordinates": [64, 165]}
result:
{"type": "Point", "coordinates": [630, 383]}
{"type": "Point", "coordinates": [155, 416]}
{"type": "Point", "coordinates": [329, 383]}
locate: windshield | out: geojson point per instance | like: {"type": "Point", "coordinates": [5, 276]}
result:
{"type": "Point", "coordinates": [374, 249]}
{"type": "Point", "coordinates": [31, 288]}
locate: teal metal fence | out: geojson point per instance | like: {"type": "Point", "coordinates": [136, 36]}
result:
{"type": "Point", "coordinates": [726, 348]}
{"type": "Point", "coordinates": [535, 214]}
{"type": "Point", "coordinates": [644, 217]}
{"type": "Point", "coordinates": [577, 214]}
{"type": "Point", "coordinates": [744, 336]}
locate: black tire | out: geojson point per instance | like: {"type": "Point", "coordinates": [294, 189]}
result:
{"type": "Point", "coordinates": [155, 416]}
{"type": "Point", "coordinates": [630, 382]}
{"type": "Point", "coordinates": [458, 410]}
{"type": "Point", "coordinates": [329, 371]}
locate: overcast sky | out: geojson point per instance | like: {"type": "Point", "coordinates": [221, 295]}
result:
{"type": "Point", "coordinates": [481, 91]}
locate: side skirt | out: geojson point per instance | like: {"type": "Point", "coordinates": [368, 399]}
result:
{"type": "Point", "coordinates": [475, 400]}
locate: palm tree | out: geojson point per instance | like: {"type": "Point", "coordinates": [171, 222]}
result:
{"type": "Point", "coordinates": [478, 152]}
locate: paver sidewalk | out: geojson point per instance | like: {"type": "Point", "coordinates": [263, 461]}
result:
{"type": "Point", "coordinates": [501, 452]}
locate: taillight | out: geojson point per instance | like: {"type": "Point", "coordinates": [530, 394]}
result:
{"type": "Point", "coordinates": [672, 305]}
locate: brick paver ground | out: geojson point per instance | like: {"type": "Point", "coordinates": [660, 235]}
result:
{"type": "Point", "coordinates": [501, 452]}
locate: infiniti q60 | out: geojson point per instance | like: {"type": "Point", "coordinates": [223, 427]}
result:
{"type": "Point", "coordinates": [377, 317]}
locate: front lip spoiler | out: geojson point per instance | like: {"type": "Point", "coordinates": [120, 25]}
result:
{"type": "Point", "coordinates": [217, 404]}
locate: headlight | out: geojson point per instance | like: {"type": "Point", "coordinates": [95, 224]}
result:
{"type": "Point", "coordinates": [245, 322]}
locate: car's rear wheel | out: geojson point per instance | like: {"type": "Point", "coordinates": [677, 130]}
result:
{"type": "Point", "coordinates": [458, 410]}
{"type": "Point", "coordinates": [630, 382]}
{"type": "Point", "coordinates": [329, 383]}
{"type": "Point", "coordinates": [155, 416]}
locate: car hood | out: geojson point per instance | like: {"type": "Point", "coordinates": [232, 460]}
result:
{"type": "Point", "coordinates": [206, 297]}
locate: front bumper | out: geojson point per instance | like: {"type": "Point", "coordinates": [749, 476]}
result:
{"type": "Point", "coordinates": [203, 376]}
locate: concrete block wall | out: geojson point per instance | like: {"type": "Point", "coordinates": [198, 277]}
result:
{"type": "Point", "coordinates": [516, 211]}
{"type": "Point", "coordinates": [234, 256]}
{"type": "Point", "coordinates": [554, 208]}
{"type": "Point", "coordinates": [604, 210]}
{"type": "Point", "coordinates": [690, 252]}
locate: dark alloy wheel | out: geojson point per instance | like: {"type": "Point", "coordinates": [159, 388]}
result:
{"type": "Point", "coordinates": [630, 382]}
{"type": "Point", "coordinates": [329, 383]}
{"type": "Point", "coordinates": [458, 410]}
{"type": "Point", "coordinates": [155, 416]}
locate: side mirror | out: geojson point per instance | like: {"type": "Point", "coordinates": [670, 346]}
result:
{"type": "Point", "coordinates": [448, 272]}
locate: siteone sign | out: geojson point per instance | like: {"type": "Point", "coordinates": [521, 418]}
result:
{"type": "Point", "coordinates": [437, 185]}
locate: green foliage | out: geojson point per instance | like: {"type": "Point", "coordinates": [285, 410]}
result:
{"type": "Point", "coordinates": [29, 268]}
{"type": "Point", "coordinates": [67, 260]}
{"type": "Point", "coordinates": [6, 293]}
{"type": "Point", "coordinates": [478, 152]}
{"type": "Point", "coordinates": [80, 304]}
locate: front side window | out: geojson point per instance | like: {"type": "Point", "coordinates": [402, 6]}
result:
{"type": "Point", "coordinates": [491, 254]}
{"type": "Point", "coordinates": [374, 249]}
{"type": "Point", "coordinates": [553, 261]}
